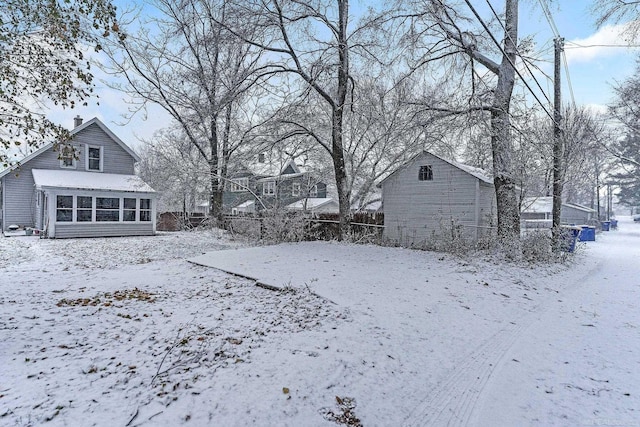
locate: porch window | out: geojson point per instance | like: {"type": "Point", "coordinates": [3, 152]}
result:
{"type": "Point", "coordinates": [238, 185]}
{"type": "Point", "coordinates": [129, 210]}
{"type": "Point", "coordinates": [84, 208]}
{"type": "Point", "coordinates": [145, 209]}
{"type": "Point", "coordinates": [295, 189]}
{"type": "Point", "coordinates": [107, 209]}
{"type": "Point", "coordinates": [313, 191]}
{"type": "Point", "coordinates": [94, 158]}
{"type": "Point", "coordinates": [64, 208]}
{"type": "Point", "coordinates": [269, 188]}
{"type": "Point", "coordinates": [425, 173]}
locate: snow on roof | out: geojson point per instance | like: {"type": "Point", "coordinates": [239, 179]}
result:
{"type": "Point", "coordinates": [545, 205]}
{"type": "Point", "coordinates": [310, 203]}
{"type": "Point", "coordinates": [246, 204]}
{"type": "Point", "coordinates": [481, 174]}
{"type": "Point", "coordinates": [537, 204]}
{"type": "Point", "coordinates": [89, 181]}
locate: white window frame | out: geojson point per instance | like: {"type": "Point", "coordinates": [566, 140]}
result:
{"type": "Point", "coordinates": [76, 208]}
{"type": "Point", "coordinates": [269, 188]}
{"type": "Point", "coordinates": [313, 191]}
{"type": "Point", "coordinates": [74, 162]}
{"type": "Point", "coordinates": [295, 189]}
{"type": "Point", "coordinates": [140, 210]}
{"type": "Point", "coordinates": [136, 209]}
{"type": "Point", "coordinates": [86, 157]}
{"type": "Point", "coordinates": [239, 185]}
{"type": "Point", "coordinates": [72, 208]}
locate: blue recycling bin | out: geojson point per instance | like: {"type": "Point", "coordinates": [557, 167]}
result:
{"type": "Point", "coordinates": [587, 234]}
{"type": "Point", "coordinates": [605, 225]}
{"type": "Point", "coordinates": [614, 224]}
{"type": "Point", "coordinates": [569, 236]}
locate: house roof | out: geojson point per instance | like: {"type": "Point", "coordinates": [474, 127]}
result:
{"type": "Point", "coordinates": [73, 132]}
{"type": "Point", "coordinates": [481, 174]}
{"type": "Point", "coordinates": [310, 203]}
{"type": "Point", "coordinates": [46, 178]}
{"type": "Point", "coordinates": [545, 205]}
{"type": "Point", "coordinates": [246, 204]}
{"type": "Point", "coordinates": [280, 177]}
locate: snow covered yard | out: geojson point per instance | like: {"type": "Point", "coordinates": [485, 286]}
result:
{"type": "Point", "coordinates": [125, 331]}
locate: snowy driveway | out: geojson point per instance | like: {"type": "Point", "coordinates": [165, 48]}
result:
{"type": "Point", "coordinates": [484, 345]}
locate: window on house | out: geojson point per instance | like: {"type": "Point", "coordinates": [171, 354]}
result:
{"type": "Point", "coordinates": [238, 185]}
{"type": "Point", "coordinates": [261, 158]}
{"type": "Point", "coordinates": [313, 191]}
{"type": "Point", "coordinates": [129, 210]}
{"type": "Point", "coordinates": [94, 158]}
{"type": "Point", "coordinates": [269, 188]}
{"type": "Point", "coordinates": [107, 209]}
{"type": "Point", "coordinates": [295, 189]}
{"type": "Point", "coordinates": [84, 208]}
{"type": "Point", "coordinates": [425, 173]}
{"type": "Point", "coordinates": [64, 208]}
{"type": "Point", "coordinates": [67, 157]}
{"type": "Point", "coordinates": [145, 209]}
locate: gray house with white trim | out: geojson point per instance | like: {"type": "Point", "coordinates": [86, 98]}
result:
{"type": "Point", "coordinates": [87, 188]}
{"type": "Point", "coordinates": [428, 196]}
{"type": "Point", "coordinates": [537, 212]}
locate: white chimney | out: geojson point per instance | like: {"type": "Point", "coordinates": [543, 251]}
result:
{"type": "Point", "coordinates": [77, 121]}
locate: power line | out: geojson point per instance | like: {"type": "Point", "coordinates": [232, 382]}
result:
{"type": "Point", "coordinates": [566, 71]}
{"type": "Point", "coordinates": [517, 52]}
{"type": "Point", "coordinates": [554, 29]}
{"type": "Point", "coordinates": [495, 41]}
{"type": "Point", "coordinates": [575, 45]}
{"type": "Point", "coordinates": [549, 17]}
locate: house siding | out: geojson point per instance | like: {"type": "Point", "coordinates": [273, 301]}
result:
{"type": "Point", "coordinates": [571, 215]}
{"type": "Point", "coordinates": [416, 211]}
{"type": "Point", "coordinates": [19, 191]}
{"type": "Point", "coordinates": [66, 231]}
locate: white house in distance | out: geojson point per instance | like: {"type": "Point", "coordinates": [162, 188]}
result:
{"type": "Point", "coordinates": [316, 205]}
{"type": "Point", "coordinates": [428, 195]}
{"type": "Point", "coordinates": [89, 191]}
{"type": "Point", "coordinates": [537, 212]}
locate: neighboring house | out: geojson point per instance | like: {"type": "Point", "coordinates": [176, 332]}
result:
{"type": "Point", "coordinates": [315, 205]}
{"type": "Point", "coordinates": [537, 212]}
{"type": "Point", "coordinates": [429, 195]}
{"type": "Point", "coordinates": [286, 186]}
{"type": "Point", "coordinates": [87, 190]}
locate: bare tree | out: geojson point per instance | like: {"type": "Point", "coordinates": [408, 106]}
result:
{"type": "Point", "coordinates": [42, 61]}
{"type": "Point", "coordinates": [617, 12]}
{"type": "Point", "coordinates": [174, 167]}
{"type": "Point", "coordinates": [312, 41]}
{"type": "Point", "coordinates": [183, 59]}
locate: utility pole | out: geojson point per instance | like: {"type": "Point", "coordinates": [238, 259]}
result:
{"type": "Point", "coordinates": [558, 146]}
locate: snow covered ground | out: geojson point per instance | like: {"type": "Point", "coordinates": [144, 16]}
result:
{"type": "Point", "coordinates": [125, 331]}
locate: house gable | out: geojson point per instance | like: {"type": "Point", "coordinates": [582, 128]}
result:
{"type": "Point", "coordinates": [20, 204]}
{"type": "Point", "coordinates": [428, 194]}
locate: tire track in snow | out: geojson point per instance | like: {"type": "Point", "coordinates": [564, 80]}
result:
{"type": "Point", "coordinates": [452, 401]}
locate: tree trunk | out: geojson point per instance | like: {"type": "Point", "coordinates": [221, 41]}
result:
{"type": "Point", "coordinates": [215, 201]}
{"type": "Point", "coordinates": [344, 196]}
{"type": "Point", "coordinates": [337, 120]}
{"type": "Point", "coordinates": [506, 195]}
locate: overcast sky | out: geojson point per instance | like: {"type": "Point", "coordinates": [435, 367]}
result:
{"type": "Point", "coordinates": [593, 66]}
